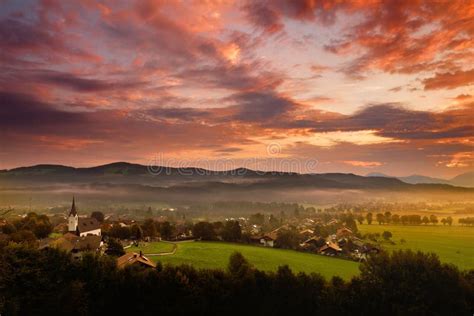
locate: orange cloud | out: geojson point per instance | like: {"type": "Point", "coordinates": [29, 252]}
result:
{"type": "Point", "coordinates": [460, 160]}
{"type": "Point", "coordinates": [365, 164]}
{"type": "Point", "coordinates": [449, 80]}
{"type": "Point", "coordinates": [463, 97]}
{"type": "Point", "coordinates": [407, 36]}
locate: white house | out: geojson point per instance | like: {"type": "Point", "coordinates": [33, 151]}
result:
{"type": "Point", "coordinates": [82, 226]}
{"type": "Point", "coordinates": [88, 226]}
{"type": "Point", "coordinates": [267, 240]}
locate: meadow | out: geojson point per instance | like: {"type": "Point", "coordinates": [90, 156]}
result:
{"type": "Point", "coordinates": [153, 247]}
{"type": "Point", "coordinates": [453, 244]}
{"type": "Point", "coordinates": [216, 255]}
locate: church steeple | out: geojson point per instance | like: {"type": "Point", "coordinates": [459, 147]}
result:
{"type": "Point", "coordinates": [73, 211]}
{"type": "Point", "coordinates": [73, 219]}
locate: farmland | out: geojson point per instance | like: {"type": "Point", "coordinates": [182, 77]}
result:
{"type": "Point", "coordinates": [453, 244]}
{"type": "Point", "coordinates": [216, 255]}
{"type": "Point", "coordinates": [153, 247]}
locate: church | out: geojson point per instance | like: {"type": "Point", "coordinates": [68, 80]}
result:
{"type": "Point", "coordinates": [81, 226]}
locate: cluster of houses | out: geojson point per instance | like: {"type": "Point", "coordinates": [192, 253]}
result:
{"type": "Point", "coordinates": [85, 235]}
{"type": "Point", "coordinates": [343, 242]}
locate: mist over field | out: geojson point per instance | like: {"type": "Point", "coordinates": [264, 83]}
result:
{"type": "Point", "coordinates": [128, 184]}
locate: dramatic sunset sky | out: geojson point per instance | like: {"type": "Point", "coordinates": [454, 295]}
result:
{"type": "Point", "coordinates": [359, 86]}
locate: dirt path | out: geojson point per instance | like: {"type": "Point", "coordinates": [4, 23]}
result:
{"type": "Point", "coordinates": [172, 252]}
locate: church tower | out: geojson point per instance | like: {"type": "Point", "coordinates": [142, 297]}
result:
{"type": "Point", "coordinates": [73, 219]}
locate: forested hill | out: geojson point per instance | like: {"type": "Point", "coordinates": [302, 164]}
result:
{"type": "Point", "coordinates": [48, 185]}
{"type": "Point", "coordinates": [127, 173]}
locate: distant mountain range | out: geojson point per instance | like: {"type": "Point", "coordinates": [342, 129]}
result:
{"type": "Point", "coordinates": [462, 180]}
{"type": "Point", "coordinates": [124, 182]}
{"type": "Point", "coordinates": [123, 172]}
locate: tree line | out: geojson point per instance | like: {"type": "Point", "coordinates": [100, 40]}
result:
{"type": "Point", "coordinates": [50, 282]}
{"type": "Point", "coordinates": [466, 221]}
{"type": "Point", "coordinates": [414, 219]}
{"type": "Point", "coordinates": [28, 228]}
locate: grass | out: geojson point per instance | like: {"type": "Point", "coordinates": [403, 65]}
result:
{"type": "Point", "coordinates": [216, 255]}
{"type": "Point", "coordinates": [453, 244]}
{"type": "Point", "coordinates": [55, 235]}
{"type": "Point", "coordinates": [152, 247]}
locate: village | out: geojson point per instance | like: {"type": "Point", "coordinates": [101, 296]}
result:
{"type": "Point", "coordinates": [77, 234]}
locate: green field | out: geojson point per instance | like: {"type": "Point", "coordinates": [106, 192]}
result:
{"type": "Point", "coordinates": [153, 247]}
{"type": "Point", "coordinates": [216, 255]}
{"type": "Point", "coordinates": [453, 244]}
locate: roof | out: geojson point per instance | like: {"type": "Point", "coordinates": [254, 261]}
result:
{"type": "Point", "coordinates": [69, 235]}
{"type": "Point", "coordinates": [87, 243]}
{"type": "Point", "coordinates": [134, 258]}
{"type": "Point", "coordinates": [87, 224]}
{"type": "Point", "coordinates": [344, 230]}
{"type": "Point", "coordinates": [276, 230]}
{"type": "Point", "coordinates": [71, 242]}
{"type": "Point", "coordinates": [330, 245]}
{"type": "Point", "coordinates": [73, 211]}
{"type": "Point", "coordinates": [271, 236]}
{"type": "Point", "coordinates": [267, 237]}
{"type": "Point", "coordinates": [312, 240]}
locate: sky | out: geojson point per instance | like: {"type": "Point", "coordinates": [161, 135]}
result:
{"type": "Point", "coordinates": [303, 85]}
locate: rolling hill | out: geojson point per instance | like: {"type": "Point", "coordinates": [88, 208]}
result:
{"type": "Point", "coordinates": [123, 172]}
{"type": "Point", "coordinates": [462, 180]}
{"type": "Point", "coordinates": [124, 182]}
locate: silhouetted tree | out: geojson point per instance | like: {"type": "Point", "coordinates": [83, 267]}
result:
{"type": "Point", "coordinates": [23, 236]}
{"type": "Point", "coordinates": [238, 265]}
{"type": "Point", "coordinates": [114, 248]}
{"type": "Point", "coordinates": [288, 239]}
{"type": "Point", "coordinates": [99, 216]}
{"type": "Point", "coordinates": [136, 232]}
{"type": "Point", "coordinates": [380, 218]}
{"type": "Point", "coordinates": [257, 219]}
{"type": "Point", "coordinates": [232, 231]}
{"type": "Point", "coordinates": [117, 231]}
{"type": "Point", "coordinates": [166, 230]}
{"type": "Point", "coordinates": [449, 220]}
{"type": "Point", "coordinates": [8, 228]}
{"type": "Point", "coordinates": [204, 230]}
{"type": "Point", "coordinates": [422, 285]}
{"type": "Point", "coordinates": [149, 228]}
{"type": "Point", "coordinates": [369, 218]}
